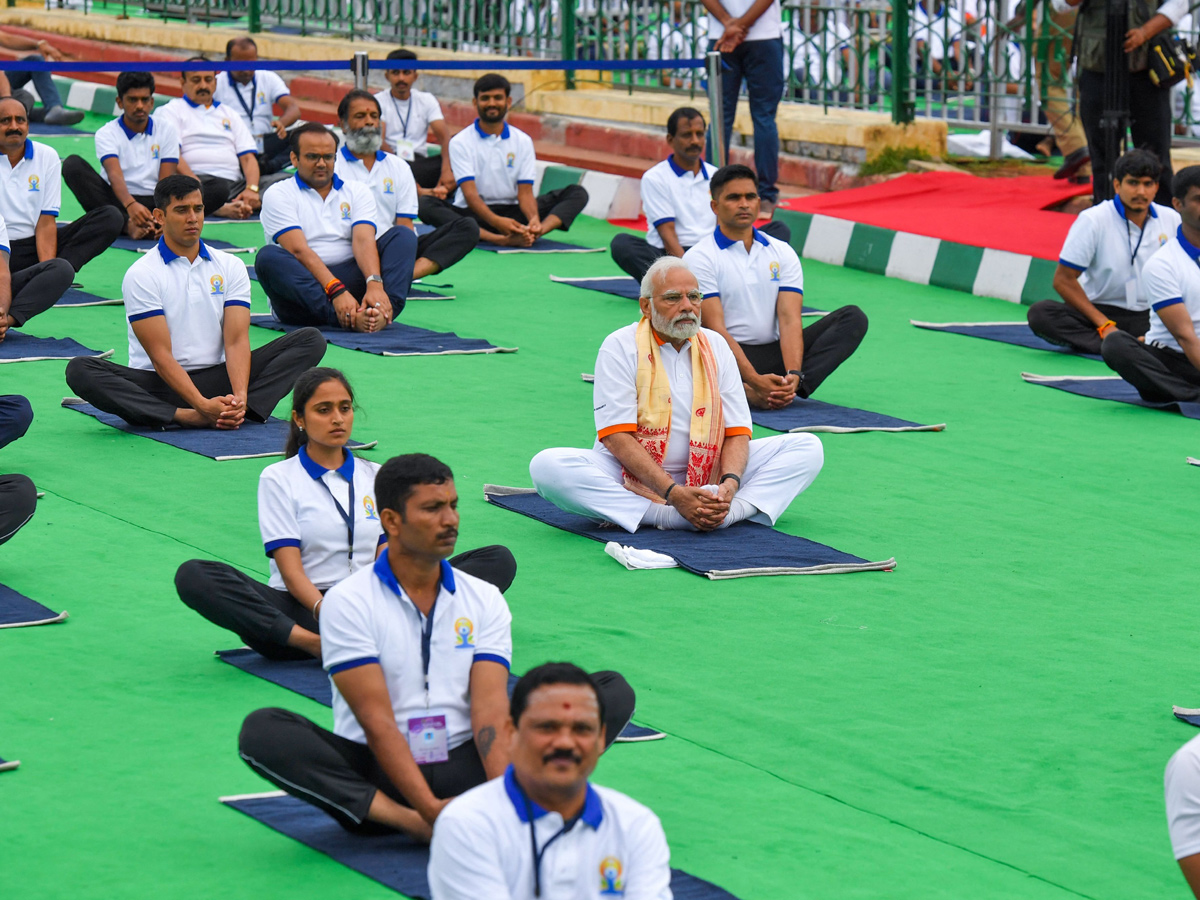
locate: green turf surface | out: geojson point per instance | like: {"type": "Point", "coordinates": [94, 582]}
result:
{"type": "Point", "coordinates": [991, 720]}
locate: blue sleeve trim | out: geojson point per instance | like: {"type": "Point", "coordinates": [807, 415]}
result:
{"type": "Point", "coordinates": [788, 287]}
{"type": "Point", "coordinates": [244, 152]}
{"type": "Point", "coordinates": [491, 657]}
{"type": "Point", "coordinates": [1071, 265]}
{"type": "Point", "coordinates": [271, 546]}
{"type": "Point", "coordinates": [382, 539]}
{"type": "Point", "coordinates": [1163, 304]}
{"type": "Point", "coordinates": [713, 294]}
{"type": "Point", "coordinates": [281, 96]}
{"type": "Point", "coordinates": [524, 181]}
{"type": "Point", "coordinates": [284, 231]}
{"type": "Point", "coordinates": [242, 303]}
{"type": "Point", "coordinates": [174, 159]}
{"type": "Point", "coordinates": [411, 215]}
{"type": "Point", "coordinates": [137, 317]}
{"type": "Point", "coordinates": [658, 222]}
{"type": "Point", "coordinates": [50, 212]}
{"type": "Point", "coordinates": [354, 664]}
{"type": "Point", "coordinates": [5, 249]}
{"type": "Point", "coordinates": [108, 156]}
{"type": "Point", "coordinates": [358, 222]}
{"type": "Point", "coordinates": [466, 178]}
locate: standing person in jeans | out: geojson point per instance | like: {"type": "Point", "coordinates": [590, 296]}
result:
{"type": "Point", "coordinates": [52, 112]}
{"type": "Point", "coordinates": [749, 34]}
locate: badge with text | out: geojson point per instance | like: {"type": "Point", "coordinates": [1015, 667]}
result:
{"type": "Point", "coordinates": [404, 149]}
{"type": "Point", "coordinates": [427, 738]}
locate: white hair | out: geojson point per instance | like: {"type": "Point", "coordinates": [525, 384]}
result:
{"type": "Point", "coordinates": [661, 267]}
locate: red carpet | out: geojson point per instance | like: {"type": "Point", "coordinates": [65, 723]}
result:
{"type": "Point", "coordinates": [1000, 213]}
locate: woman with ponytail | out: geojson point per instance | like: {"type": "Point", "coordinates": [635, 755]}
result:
{"type": "Point", "coordinates": [319, 523]}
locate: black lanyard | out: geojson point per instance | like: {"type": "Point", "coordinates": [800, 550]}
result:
{"type": "Point", "coordinates": [426, 640]}
{"type": "Point", "coordinates": [237, 92]}
{"type": "Point", "coordinates": [1141, 234]}
{"type": "Point", "coordinates": [347, 517]}
{"type": "Point", "coordinates": [403, 120]}
{"type": "Point", "coordinates": [538, 854]}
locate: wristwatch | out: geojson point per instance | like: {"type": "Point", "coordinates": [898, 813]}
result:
{"type": "Point", "coordinates": [374, 278]}
{"type": "Point", "coordinates": [252, 187]}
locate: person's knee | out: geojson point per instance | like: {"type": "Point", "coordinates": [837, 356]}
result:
{"type": "Point", "coordinates": [311, 343]}
{"type": "Point", "coordinates": [20, 494]}
{"type": "Point", "coordinates": [107, 219]}
{"type": "Point", "coordinates": [79, 372]}
{"type": "Point", "coordinates": [18, 415]}
{"type": "Point", "coordinates": [60, 273]}
{"type": "Point", "coordinates": [546, 468]}
{"type": "Point", "coordinates": [75, 165]}
{"type": "Point", "coordinates": [501, 565]}
{"type": "Point", "coordinates": [807, 449]}
{"type": "Point", "coordinates": [259, 740]}
{"type": "Point", "coordinates": [191, 581]}
{"type": "Point", "coordinates": [620, 700]}
{"type": "Point", "coordinates": [576, 193]}
{"type": "Point", "coordinates": [1117, 347]}
{"type": "Point", "coordinates": [465, 229]}
{"type": "Point", "coordinates": [855, 321]}
{"type": "Point", "coordinates": [1039, 315]}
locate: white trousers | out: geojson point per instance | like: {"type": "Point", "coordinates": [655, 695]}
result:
{"type": "Point", "coordinates": [588, 482]}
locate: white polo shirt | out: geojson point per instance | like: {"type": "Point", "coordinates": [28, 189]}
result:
{"type": "Point", "coordinates": [768, 25]}
{"type": "Point", "coordinates": [497, 163]}
{"type": "Point", "coordinates": [614, 392]}
{"type": "Point", "coordinates": [1110, 250]}
{"type": "Point", "coordinates": [1172, 277]}
{"type": "Point", "coordinates": [390, 181]}
{"type": "Point", "coordinates": [192, 297]}
{"type": "Point", "coordinates": [672, 194]}
{"type": "Point", "coordinates": [748, 282]}
{"type": "Point", "coordinates": [139, 154]}
{"type": "Point", "coordinates": [254, 102]}
{"type": "Point", "coordinates": [211, 138]}
{"type": "Point", "coordinates": [326, 223]}
{"type": "Point", "coordinates": [367, 618]}
{"type": "Point", "coordinates": [481, 848]}
{"type": "Point", "coordinates": [4, 243]}
{"type": "Point", "coordinates": [298, 503]}
{"type": "Point", "coordinates": [1181, 785]}
{"type": "Point", "coordinates": [409, 120]}
{"type": "Point", "coordinates": [31, 188]}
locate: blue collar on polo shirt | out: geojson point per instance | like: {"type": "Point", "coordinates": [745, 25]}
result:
{"type": "Point", "coordinates": [484, 135]}
{"type": "Point", "coordinates": [169, 255]}
{"type": "Point", "coordinates": [681, 172]}
{"type": "Point", "coordinates": [305, 186]}
{"type": "Point", "coordinates": [28, 148]}
{"type": "Point", "coordinates": [593, 809]}
{"type": "Point", "coordinates": [1188, 248]}
{"type": "Point", "coordinates": [351, 158]}
{"type": "Point", "coordinates": [383, 571]}
{"type": "Point", "coordinates": [316, 470]}
{"type": "Point", "coordinates": [194, 105]}
{"type": "Point", "coordinates": [724, 243]}
{"type": "Point", "coordinates": [130, 133]}
{"type": "Point", "coordinates": [1120, 208]}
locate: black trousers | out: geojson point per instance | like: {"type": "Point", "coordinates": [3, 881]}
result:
{"type": "Point", "coordinates": [1160, 375]}
{"type": "Point", "coordinates": [92, 191]}
{"type": "Point", "coordinates": [16, 415]}
{"type": "Point", "coordinates": [1062, 324]}
{"type": "Point", "coordinates": [449, 243]}
{"type": "Point", "coordinates": [1149, 126]}
{"type": "Point", "coordinates": [828, 343]}
{"type": "Point", "coordinates": [427, 170]}
{"type": "Point", "coordinates": [566, 203]}
{"type": "Point", "coordinates": [635, 255]}
{"type": "Point", "coordinates": [37, 288]}
{"type": "Point", "coordinates": [141, 397]}
{"type": "Point", "coordinates": [78, 243]}
{"type": "Point", "coordinates": [276, 155]}
{"type": "Point", "coordinates": [341, 776]}
{"type": "Point", "coordinates": [18, 500]}
{"type": "Point", "coordinates": [218, 191]}
{"type": "Point", "coordinates": [264, 617]}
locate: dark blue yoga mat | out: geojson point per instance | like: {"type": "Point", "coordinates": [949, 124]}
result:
{"type": "Point", "coordinates": [44, 129]}
{"type": "Point", "coordinates": [414, 293]}
{"type": "Point", "coordinates": [541, 245]}
{"type": "Point", "coordinates": [76, 297]}
{"type": "Point", "coordinates": [1113, 388]}
{"type": "Point", "coordinates": [20, 347]}
{"type": "Point", "coordinates": [744, 549]}
{"type": "Point", "coordinates": [252, 441]}
{"type": "Point", "coordinates": [306, 677]}
{"type": "Point", "coordinates": [1016, 333]}
{"type": "Point", "coordinates": [817, 416]}
{"type": "Point", "coordinates": [127, 243]}
{"type": "Point", "coordinates": [627, 287]}
{"type": "Point", "coordinates": [392, 859]}
{"type": "Point", "coordinates": [17, 610]}
{"type": "Point", "coordinates": [395, 340]}
{"type": "Point", "coordinates": [1191, 716]}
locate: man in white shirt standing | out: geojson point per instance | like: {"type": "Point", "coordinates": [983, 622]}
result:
{"type": "Point", "coordinates": [753, 289]}
{"type": "Point", "coordinates": [676, 200]}
{"type": "Point", "coordinates": [1165, 366]}
{"type": "Point", "coordinates": [393, 187]}
{"type": "Point", "coordinates": [135, 153]}
{"type": "Point", "coordinates": [1099, 272]}
{"type": "Point", "coordinates": [408, 117]}
{"type": "Point", "coordinates": [253, 95]}
{"type": "Point", "coordinates": [30, 195]}
{"type": "Point", "coordinates": [495, 168]}
{"type": "Point", "coordinates": [188, 307]}
{"type": "Point", "coordinates": [543, 830]}
{"type": "Point", "coordinates": [323, 254]}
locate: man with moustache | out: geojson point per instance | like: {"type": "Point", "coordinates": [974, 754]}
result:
{"type": "Point", "coordinates": [418, 654]}
{"type": "Point", "coordinates": [673, 447]}
{"type": "Point", "coordinates": [30, 195]}
{"type": "Point", "coordinates": [676, 200]}
{"type": "Point", "coordinates": [409, 115]}
{"type": "Point", "coordinates": [323, 252]}
{"type": "Point", "coordinates": [361, 159]}
{"type": "Point", "coordinates": [253, 94]}
{"type": "Point", "coordinates": [495, 167]}
{"type": "Point", "coordinates": [543, 830]}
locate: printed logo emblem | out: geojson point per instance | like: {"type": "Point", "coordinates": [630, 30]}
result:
{"type": "Point", "coordinates": [510, 160]}
{"type": "Point", "coordinates": [774, 271]}
{"type": "Point", "coordinates": [218, 284]}
{"type": "Point", "coordinates": [1162, 239]}
{"type": "Point", "coordinates": [387, 186]}
{"type": "Point", "coordinates": [464, 630]}
{"type": "Point", "coordinates": [154, 151]}
{"type": "Point", "coordinates": [611, 883]}
{"type": "Point", "coordinates": [33, 183]}
{"type": "Point", "coordinates": [345, 208]}
{"type": "Point", "coordinates": [369, 509]}
{"type": "Point", "coordinates": [261, 97]}
{"type": "Point", "coordinates": [225, 124]}
{"type": "Point", "coordinates": [701, 411]}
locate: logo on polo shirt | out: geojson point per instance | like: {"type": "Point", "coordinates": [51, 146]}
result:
{"type": "Point", "coordinates": [611, 883]}
{"type": "Point", "coordinates": [774, 267]}
{"type": "Point", "coordinates": [218, 285]}
{"type": "Point", "coordinates": [345, 208]}
{"type": "Point", "coordinates": [261, 97]}
{"type": "Point", "coordinates": [387, 186]}
{"type": "Point", "coordinates": [369, 509]}
{"type": "Point", "coordinates": [1162, 239]}
{"type": "Point", "coordinates": [510, 160]}
{"type": "Point", "coordinates": [225, 124]}
{"type": "Point", "coordinates": [154, 151]}
{"type": "Point", "coordinates": [464, 630]}
{"type": "Point", "coordinates": [33, 183]}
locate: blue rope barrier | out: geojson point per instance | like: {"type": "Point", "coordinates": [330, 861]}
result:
{"type": "Point", "coordinates": [326, 65]}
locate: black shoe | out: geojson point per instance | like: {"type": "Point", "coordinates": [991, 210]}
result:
{"type": "Point", "coordinates": [1073, 163]}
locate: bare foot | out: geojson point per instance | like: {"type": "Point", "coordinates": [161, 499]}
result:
{"type": "Point", "coordinates": [519, 239]}
{"type": "Point", "coordinates": [190, 418]}
{"type": "Point", "coordinates": [423, 268]}
{"type": "Point", "coordinates": [234, 209]}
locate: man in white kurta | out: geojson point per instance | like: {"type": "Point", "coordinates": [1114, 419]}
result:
{"type": "Point", "coordinates": [676, 455]}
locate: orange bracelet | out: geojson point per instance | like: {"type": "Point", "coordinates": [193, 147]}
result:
{"type": "Point", "coordinates": [1107, 327]}
{"type": "Point", "coordinates": [332, 282]}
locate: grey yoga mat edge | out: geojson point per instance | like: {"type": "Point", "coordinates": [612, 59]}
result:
{"type": "Point", "coordinates": [7, 765]}
{"type": "Point", "coordinates": [37, 614]}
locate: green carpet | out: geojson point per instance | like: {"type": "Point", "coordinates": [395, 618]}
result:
{"type": "Point", "coordinates": [991, 720]}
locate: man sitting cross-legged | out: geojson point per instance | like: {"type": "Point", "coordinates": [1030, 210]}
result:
{"type": "Point", "coordinates": [323, 253]}
{"type": "Point", "coordinates": [673, 428]}
{"type": "Point", "coordinates": [753, 290]}
{"type": "Point", "coordinates": [30, 291]}
{"type": "Point", "coordinates": [495, 167]}
{"type": "Point", "coordinates": [418, 653]}
{"type": "Point", "coordinates": [189, 333]}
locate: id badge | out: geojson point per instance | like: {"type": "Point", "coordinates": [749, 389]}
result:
{"type": "Point", "coordinates": [1131, 293]}
{"type": "Point", "coordinates": [404, 149]}
{"type": "Point", "coordinates": [427, 738]}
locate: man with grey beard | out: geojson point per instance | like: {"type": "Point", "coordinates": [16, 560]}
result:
{"type": "Point", "coordinates": [395, 190]}
{"type": "Point", "coordinates": [673, 447]}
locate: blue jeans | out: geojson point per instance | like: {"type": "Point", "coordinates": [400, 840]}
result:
{"type": "Point", "coordinates": [760, 65]}
{"type": "Point", "coordinates": [41, 80]}
{"type": "Point", "coordinates": [297, 299]}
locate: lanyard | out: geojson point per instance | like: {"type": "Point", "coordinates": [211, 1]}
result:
{"type": "Point", "coordinates": [347, 517]}
{"type": "Point", "coordinates": [426, 640]}
{"type": "Point", "coordinates": [404, 120]}
{"type": "Point", "coordinates": [237, 92]}
{"type": "Point", "coordinates": [539, 854]}
{"type": "Point", "coordinates": [1141, 234]}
